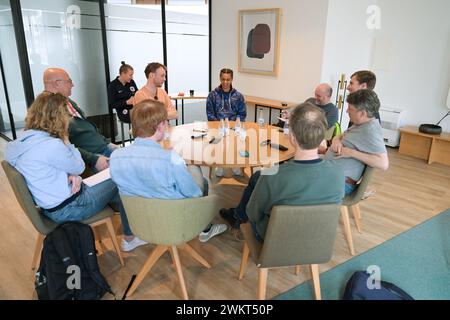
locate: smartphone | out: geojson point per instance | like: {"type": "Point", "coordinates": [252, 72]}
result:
{"type": "Point", "coordinates": [279, 147]}
{"type": "Point", "coordinates": [200, 130]}
{"type": "Point", "coordinates": [244, 153]}
{"type": "Point", "coordinates": [195, 136]}
{"type": "Point", "coordinates": [215, 140]}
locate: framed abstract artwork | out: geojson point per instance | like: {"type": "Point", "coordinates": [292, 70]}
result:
{"type": "Point", "coordinates": [259, 41]}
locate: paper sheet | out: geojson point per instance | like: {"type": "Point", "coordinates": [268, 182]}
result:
{"type": "Point", "coordinates": [97, 178]}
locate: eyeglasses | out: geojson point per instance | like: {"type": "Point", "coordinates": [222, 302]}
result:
{"type": "Point", "coordinates": [65, 80]}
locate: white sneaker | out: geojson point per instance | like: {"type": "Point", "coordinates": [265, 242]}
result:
{"type": "Point", "coordinates": [133, 244]}
{"type": "Point", "coordinates": [213, 231]}
{"type": "Point", "coordinates": [237, 171]}
{"type": "Point", "coordinates": [219, 172]}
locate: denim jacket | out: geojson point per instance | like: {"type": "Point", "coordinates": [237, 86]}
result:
{"type": "Point", "coordinates": [147, 170]}
{"type": "Point", "coordinates": [221, 105]}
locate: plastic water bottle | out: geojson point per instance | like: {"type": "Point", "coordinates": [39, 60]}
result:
{"type": "Point", "coordinates": [260, 118]}
{"type": "Point", "coordinates": [286, 127]}
{"type": "Point", "coordinates": [237, 126]}
{"type": "Point", "coordinates": [242, 132]}
{"type": "Point", "coordinates": [166, 133]}
{"type": "Point", "coordinates": [227, 127]}
{"type": "Point", "coordinates": [222, 128]}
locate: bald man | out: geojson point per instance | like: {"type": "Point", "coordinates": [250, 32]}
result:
{"type": "Point", "coordinates": [94, 147]}
{"type": "Point", "coordinates": [322, 99]}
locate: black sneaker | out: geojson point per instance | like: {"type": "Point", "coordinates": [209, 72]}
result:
{"type": "Point", "coordinates": [229, 215]}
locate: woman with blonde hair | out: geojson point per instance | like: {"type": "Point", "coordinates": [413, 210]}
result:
{"type": "Point", "coordinates": [51, 166]}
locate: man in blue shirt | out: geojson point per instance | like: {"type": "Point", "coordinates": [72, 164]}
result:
{"type": "Point", "coordinates": [147, 170]}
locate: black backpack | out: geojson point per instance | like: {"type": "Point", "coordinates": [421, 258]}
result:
{"type": "Point", "coordinates": [357, 289]}
{"type": "Point", "coordinates": [69, 269]}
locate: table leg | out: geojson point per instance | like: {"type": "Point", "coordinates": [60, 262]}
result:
{"type": "Point", "coordinates": [176, 108]}
{"type": "Point", "coordinates": [182, 111]}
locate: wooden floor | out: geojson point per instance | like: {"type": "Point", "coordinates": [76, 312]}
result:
{"type": "Point", "coordinates": [409, 193]}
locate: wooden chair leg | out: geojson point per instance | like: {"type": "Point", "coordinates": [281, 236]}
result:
{"type": "Point", "coordinates": [153, 257]}
{"type": "Point", "coordinates": [357, 216]}
{"type": "Point", "coordinates": [113, 236]}
{"type": "Point", "coordinates": [316, 281]}
{"type": "Point", "coordinates": [262, 283]}
{"type": "Point", "coordinates": [347, 230]}
{"type": "Point", "coordinates": [37, 252]}
{"type": "Point", "coordinates": [358, 212]}
{"type": "Point", "coordinates": [98, 239]}
{"type": "Point", "coordinates": [297, 270]}
{"type": "Point", "coordinates": [177, 263]}
{"type": "Point", "coordinates": [244, 260]}
{"type": "Point", "coordinates": [211, 170]}
{"type": "Point", "coordinates": [195, 255]}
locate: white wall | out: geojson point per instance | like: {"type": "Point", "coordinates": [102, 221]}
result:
{"type": "Point", "coordinates": [412, 58]}
{"type": "Point", "coordinates": [302, 36]}
{"type": "Point", "coordinates": [320, 40]}
{"type": "Point", "coordinates": [348, 43]}
{"type": "Point", "coordinates": [410, 53]}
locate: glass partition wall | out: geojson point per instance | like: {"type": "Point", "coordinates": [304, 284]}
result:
{"type": "Point", "coordinates": [89, 39]}
{"type": "Point", "coordinates": [13, 106]}
{"type": "Point", "coordinates": [134, 35]}
{"type": "Point", "coordinates": [187, 27]}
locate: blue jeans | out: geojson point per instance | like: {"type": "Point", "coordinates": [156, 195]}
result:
{"type": "Point", "coordinates": [240, 209]}
{"type": "Point", "coordinates": [349, 188]}
{"type": "Point", "coordinates": [105, 152]}
{"type": "Point", "coordinates": [91, 201]}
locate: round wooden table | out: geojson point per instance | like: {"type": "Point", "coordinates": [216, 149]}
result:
{"type": "Point", "coordinates": [228, 150]}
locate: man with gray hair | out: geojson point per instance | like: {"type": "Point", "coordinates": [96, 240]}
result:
{"type": "Point", "coordinates": [363, 79]}
{"type": "Point", "coordinates": [305, 180]}
{"type": "Point", "coordinates": [362, 144]}
{"type": "Point", "coordinates": [94, 147]}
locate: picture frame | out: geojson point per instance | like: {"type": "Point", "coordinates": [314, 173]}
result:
{"type": "Point", "coordinates": [259, 41]}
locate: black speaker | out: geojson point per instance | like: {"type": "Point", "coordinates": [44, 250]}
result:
{"type": "Point", "coordinates": [430, 128]}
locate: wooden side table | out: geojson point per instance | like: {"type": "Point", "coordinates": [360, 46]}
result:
{"type": "Point", "coordinates": [432, 148]}
{"type": "Point", "coordinates": [268, 103]}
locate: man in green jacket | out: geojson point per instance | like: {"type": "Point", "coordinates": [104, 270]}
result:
{"type": "Point", "coordinates": [94, 148]}
{"type": "Point", "coordinates": [305, 180]}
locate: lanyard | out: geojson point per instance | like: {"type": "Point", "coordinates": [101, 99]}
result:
{"type": "Point", "coordinates": [72, 111]}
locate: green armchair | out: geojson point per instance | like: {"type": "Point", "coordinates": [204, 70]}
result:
{"type": "Point", "coordinates": [168, 224]}
{"type": "Point", "coordinates": [44, 225]}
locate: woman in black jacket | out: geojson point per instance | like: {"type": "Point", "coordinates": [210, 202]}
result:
{"type": "Point", "coordinates": [121, 91]}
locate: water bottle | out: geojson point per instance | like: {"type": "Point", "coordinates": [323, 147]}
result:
{"type": "Point", "coordinates": [222, 128]}
{"type": "Point", "coordinates": [242, 132]}
{"type": "Point", "coordinates": [166, 133]}
{"type": "Point", "coordinates": [227, 127]}
{"type": "Point", "coordinates": [261, 118]}
{"type": "Point", "coordinates": [286, 127]}
{"type": "Point", "coordinates": [237, 126]}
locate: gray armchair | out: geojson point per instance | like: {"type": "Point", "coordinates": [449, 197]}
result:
{"type": "Point", "coordinates": [296, 235]}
